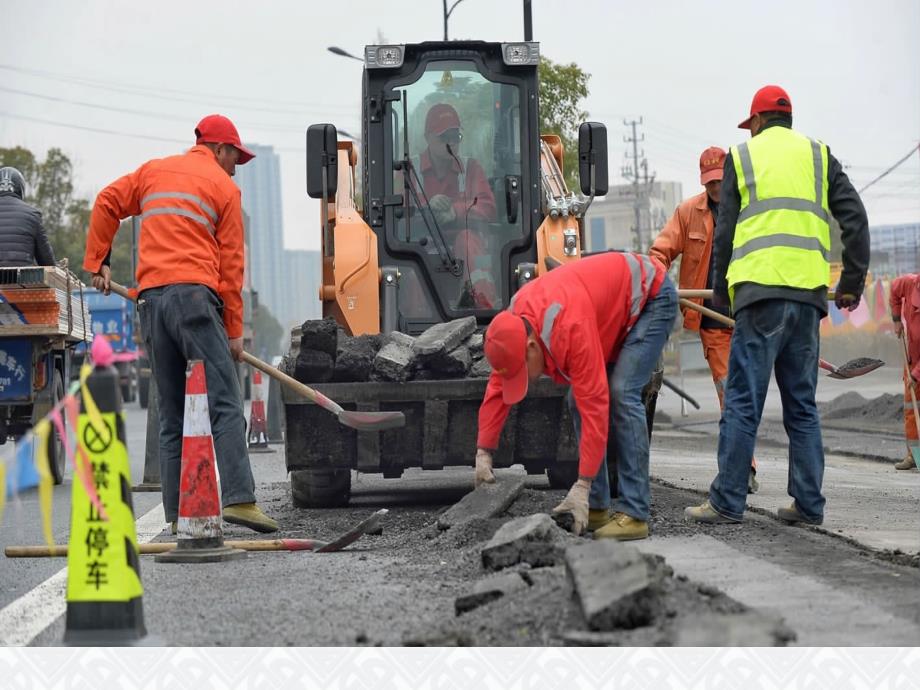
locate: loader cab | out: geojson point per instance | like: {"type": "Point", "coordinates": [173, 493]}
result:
{"type": "Point", "coordinates": [451, 174]}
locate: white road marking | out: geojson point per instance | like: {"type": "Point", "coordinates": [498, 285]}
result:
{"type": "Point", "coordinates": [25, 618]}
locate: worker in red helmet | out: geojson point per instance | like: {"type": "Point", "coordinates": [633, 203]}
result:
{"type": "Point", "coordinates": [772, 251]}
{"type": "Point", "coordinates": [190, 278]}
{"type": "Point", "coordinates": [458, 198]}
{"type": "Point", "coordinates": [599, 325]}
{"type": "Point", "coordinates": [688, 235]}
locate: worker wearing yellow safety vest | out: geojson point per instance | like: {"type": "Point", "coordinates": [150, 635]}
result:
{"type": "Point", "coordinates": [771, 253]}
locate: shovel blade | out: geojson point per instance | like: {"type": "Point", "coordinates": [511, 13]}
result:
{"type": "Point", "coordinates": [372, 421]}
{"type": "Point", "coordinates": [856, 367]}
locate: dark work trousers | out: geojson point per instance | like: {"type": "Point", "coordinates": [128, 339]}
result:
{"type": "Point", "coordinates": [181, 323]}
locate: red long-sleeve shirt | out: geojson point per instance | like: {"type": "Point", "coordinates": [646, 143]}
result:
{"type": "Point", "coordinates": [192, 229]}
{"type": "Point", "coordinates": [595, 308]}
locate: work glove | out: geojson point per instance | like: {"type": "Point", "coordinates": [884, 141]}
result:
{"type": "Point", "coordinates": [483, 473]}
{"type": "Point", "coordinates": [845, 300]}
{"type": "Point", "coordinates": [443, 209]}
{"type": "Point", "coordinates": [575, 505]}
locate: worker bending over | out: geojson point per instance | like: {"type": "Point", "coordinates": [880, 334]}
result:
{"type": "Point", "coordinates": [598, 324]}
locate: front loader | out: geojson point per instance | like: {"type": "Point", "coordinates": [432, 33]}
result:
{"type": "Point", "coordinates": [391, 261]}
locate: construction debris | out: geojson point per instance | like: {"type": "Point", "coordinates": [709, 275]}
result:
{"type": "Point", "coordinates": [489, 589]}
{"type": "Point", "coordinates": [534, 539]}
{"type": "Point", "coordinates": [445, 351]}
{"type": "Point", "coordinates": [487, 501]}
{"type": "Point", "coordinates": [617, 586]}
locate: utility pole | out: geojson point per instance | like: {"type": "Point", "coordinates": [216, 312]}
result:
{"type": "Point", "coordinates": [631, 172]}
{"type": "Point", "coordinates": [448, 12]}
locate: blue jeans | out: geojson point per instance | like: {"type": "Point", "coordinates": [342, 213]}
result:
{"type": "Point", "coordinates": [180, 323]}
{"type": "Point", "coordinates": [780, 336]}
{"type": "Point", "coordinates": [628, 376]}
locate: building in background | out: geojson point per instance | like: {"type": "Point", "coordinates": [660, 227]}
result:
{"type": "Point", "coordinates": [611, 221]}
{"type": "Point", "coordinates": [260, 182]}
{"type": "Point", "coordinates": [303, 273]}
{"type": "Point", "coordinates": [895, 249]}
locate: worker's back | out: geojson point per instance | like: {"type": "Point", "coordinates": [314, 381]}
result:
{"type": "Point", "coordinates": [22, 240]}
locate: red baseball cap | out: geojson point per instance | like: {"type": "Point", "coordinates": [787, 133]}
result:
{"type": "Point", "coordinates": [506, 350]}
{"type": "Point", "coordinates": [770, 98]}
{"type": "Point", "coordinates": [711, 163]}
{"type": "Point", "coordinates": [441, 118]}
{"type": "Point", "coordinates": [217, 129]}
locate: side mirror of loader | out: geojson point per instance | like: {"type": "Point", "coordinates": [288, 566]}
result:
{"type": "Point", "coordinates": [322, 157]}
{"type": "Point", "coordinates": [592, 158]}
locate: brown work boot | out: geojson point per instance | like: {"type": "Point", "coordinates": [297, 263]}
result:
{"type": "Point", "coordinates": [623, 527]}
{"type": "Point", "coordinates": [249, 515]}
{"type": "Point", "coordinates": [173, 527]}
{"type": "Point", "coordinates": [598, 517]}
{"type": "Point", "coordinates": [792, 514]}
{"type": "Point", "coordinates": [907, 463]}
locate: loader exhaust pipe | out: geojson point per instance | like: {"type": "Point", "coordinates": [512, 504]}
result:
{"type": "Point", "coordinates": [528, 21]}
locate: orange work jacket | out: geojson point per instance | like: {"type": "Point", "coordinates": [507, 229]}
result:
{"type": "Point", "coordinates": [688, 234]}
{"type": "Point", "coordinates": [191, 230]}
{"type": "Point", "coordinates": [904, 300]}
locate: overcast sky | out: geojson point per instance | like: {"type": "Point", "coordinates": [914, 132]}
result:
{"type": "Point", "coordinates": [149, 71]}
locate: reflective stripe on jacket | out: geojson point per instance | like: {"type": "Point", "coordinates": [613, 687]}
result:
{"type": "Point", "coordinates": [192, 229]}
{"type": "Point", "coordinates": [782, 236]}
{"type": "Point", "coordinates": [581, 313]}
{"type": "Point", "coordinates": [688, 235]}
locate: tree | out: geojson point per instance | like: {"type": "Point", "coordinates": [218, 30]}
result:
{"type": "Point", "coordinates": [562, 88]}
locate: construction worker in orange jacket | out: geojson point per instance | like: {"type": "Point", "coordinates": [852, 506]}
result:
{"type": "Point", "coordinates": [688, 234]}
{"type": "Point", "coordinates": [904, 300]}
{"type": "Point", "coordinates": [599, 325]}
{"type": "Point", "coordinates": [190, 277]}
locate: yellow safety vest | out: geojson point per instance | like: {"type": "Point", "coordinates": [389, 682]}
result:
{"type": "Point", "coordinates": [782, 235]}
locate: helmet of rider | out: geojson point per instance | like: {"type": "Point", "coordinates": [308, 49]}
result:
{"type": "Point", "coordinates": [12, 181]}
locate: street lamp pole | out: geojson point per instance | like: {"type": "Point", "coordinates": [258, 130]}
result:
{"type": "Point", "coordinates": [448, 12]}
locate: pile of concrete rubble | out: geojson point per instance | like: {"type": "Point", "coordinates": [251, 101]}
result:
{"type": "Point", "coordinates": [445, 351]}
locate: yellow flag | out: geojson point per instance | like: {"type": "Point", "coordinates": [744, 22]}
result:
{"type": "Point", "coordinates": [42, 432]}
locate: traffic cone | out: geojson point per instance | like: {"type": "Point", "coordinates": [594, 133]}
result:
{"type": "Point", "coordinates": [200, 534]}
{"type": "Point", "coordinates": [104, 591]}
{"type": "Point", "coordinates": [258, 430]}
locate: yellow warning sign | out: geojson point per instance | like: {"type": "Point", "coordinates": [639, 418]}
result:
{"type": "Point", "coordinates": [102, 557]}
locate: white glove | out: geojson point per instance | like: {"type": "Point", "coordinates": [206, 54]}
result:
{"type": "Point", "coordinates": [443, 209]}
{"type": "Point", "coordinates": [483, 473]}
{"type": "Point", "coordinates": [576, 503]}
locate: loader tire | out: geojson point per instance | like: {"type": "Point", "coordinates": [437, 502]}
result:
{"type": "Point", "coordinates": [320, 488]}
{"type": "Point", "coordinates": [562, 474]}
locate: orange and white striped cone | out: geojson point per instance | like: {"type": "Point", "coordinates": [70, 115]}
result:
{"type": "Point", "coordinates": [258, 428]}
{"type": "Point", "coordinates": [200, 533]}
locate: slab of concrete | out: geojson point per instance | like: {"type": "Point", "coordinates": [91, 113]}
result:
{"type": "Point", "coordinates": [489, 500]}
{"type": "Point", "coordinates": [534, 539]}
{"type": "Point", "coordinates": [453, 364]}
{"type": "Point", "coordinates": [396, 358]}
{"type": "Point", "coordinates": [615, 585]}
{"type": "Point", "coordinates": [444, 337]}
{"type": "Point", "coordinates": [481, 369]}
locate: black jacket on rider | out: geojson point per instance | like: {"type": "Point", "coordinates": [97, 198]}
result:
{"type": "Point", "coordinates": [23, 241]}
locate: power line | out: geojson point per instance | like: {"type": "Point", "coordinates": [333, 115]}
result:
{"type": "Point", "coordinates": [242, 102]}
{"type": "Point", "coordinates": [891, 169]}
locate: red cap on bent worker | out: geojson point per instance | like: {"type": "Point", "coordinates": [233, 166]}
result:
{"type": "Point", "coordinates": [769, 99]}
{"type": "Point", "coordinates": [441, 118]}
{"type": "Point", "coordinates": [712, 160]}
{"type": "Point", "coordinates": [506, 350]}
{"type": "Point", "coordinates": [217, 129]}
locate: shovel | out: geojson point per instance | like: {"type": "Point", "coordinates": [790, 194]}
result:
{"type": "Point", "coordinates": [362, 421]}
{"type": "Point", "coordinates": [914, 450]}
{"type": "Point", "coordinates": [852, 369]}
